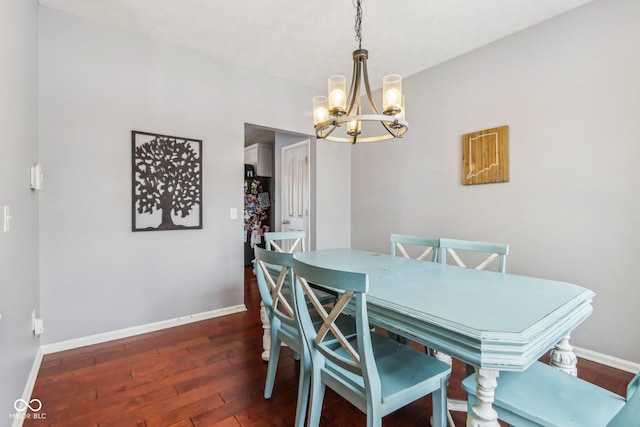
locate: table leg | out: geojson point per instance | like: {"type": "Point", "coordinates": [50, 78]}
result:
{"type": "Point", "coordinates": [266, 333]}
{"type": "Point", "coordinates": [482, 413]}
{"type": "Point", "coordinates": [563, 357]}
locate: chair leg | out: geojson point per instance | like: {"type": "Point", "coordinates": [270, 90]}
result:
{"type": "Point", "coordinates": [374, 419]}
{"type": "Point", "coordinates": [304, 383]}
{"type": "Point", "coordinates": [439, 399]}
{"type": "Point", "coordinates": [274, 355]}
{"type": "Point", "coordinates": [316, 398]}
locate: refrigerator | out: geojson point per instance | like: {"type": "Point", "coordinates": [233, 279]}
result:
{"type": "Point", "coordinates": [257, 211]}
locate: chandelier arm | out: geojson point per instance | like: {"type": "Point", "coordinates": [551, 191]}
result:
{"type": "Point", "coordinates": [333, 127]}
{"type": "Point", "coordinates": [358, 94]}
{"type": "Point", "coordinates": [322, 127]}
{"type": "Point", "coordinates": [388, 130]}
{"type": "Point", "coordinates": [353, 90]}
{"type": "Point", "coordinates": [367, 88]}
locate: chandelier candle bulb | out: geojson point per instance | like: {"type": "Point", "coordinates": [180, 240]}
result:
{"type": "Point", "coordinates": [338, 95]}
{"type": "Point", "coordinates": [320, 109]}
{"type": "Point", "coordinates": [353, 127]}
{"type": "Point", "coordinates": [392, 94]}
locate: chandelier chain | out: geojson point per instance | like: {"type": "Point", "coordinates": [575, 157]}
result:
{"type": "Point", "coordinates": [358, 25]}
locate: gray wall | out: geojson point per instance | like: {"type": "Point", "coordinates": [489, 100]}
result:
{"type": "Point", "coordinates": [98, 84]}
{"type": "Point", "coordinates": [569, 89]}
{"type": "Point", "coordinates": [19, 293]}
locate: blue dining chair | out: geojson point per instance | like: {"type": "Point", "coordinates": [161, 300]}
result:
{"type": "Point", "coordinates": [422, 248]}
{"type": "Point", "coordinates": [546, 396]}
{"type": "Point", "coordinates": [494, 250]}
{"type": "Point", "coordinates": [275, 274]}
{"type": "Point", "coordinates": [285, 241]}
{"type": "Point", "coordinates": [374, 373]}
{"type": "Point", "coordinates": [430, 245]}
{"type": "Point", "coordinates": [482, 254]}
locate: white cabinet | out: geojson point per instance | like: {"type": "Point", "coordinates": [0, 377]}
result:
{"type": "Point", "coordinates": [261, 157]}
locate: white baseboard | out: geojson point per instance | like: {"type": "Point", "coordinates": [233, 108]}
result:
{"type": "Point", "coordinates": [31, 382]}
{"type": "Point", "coordinates": [137, 330]}
{"type": "Point", "coordinates": [605, 359]}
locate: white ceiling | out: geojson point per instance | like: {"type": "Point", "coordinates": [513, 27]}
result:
{"type": "Point", "coordinates": [305, 41]}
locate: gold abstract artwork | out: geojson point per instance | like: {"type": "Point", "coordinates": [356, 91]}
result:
{"type": "Point", "coordinates": [485, 156]}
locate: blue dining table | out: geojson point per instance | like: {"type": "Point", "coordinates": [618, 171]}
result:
{"type": "Point", "coordinates": [493, 321]}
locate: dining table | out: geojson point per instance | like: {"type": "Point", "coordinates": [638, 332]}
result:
{"type": "Point", "coordinates": [492, 321]}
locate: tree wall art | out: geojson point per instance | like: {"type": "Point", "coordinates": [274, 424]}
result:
{"type": "Point", "coordinates": [166, 182]}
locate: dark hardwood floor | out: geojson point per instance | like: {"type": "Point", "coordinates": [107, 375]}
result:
{"type": "Point", "coordinates": [207, 373]}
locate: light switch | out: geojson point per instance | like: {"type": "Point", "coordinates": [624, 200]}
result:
{"type": "Point", "coordinates": [36, 176]}
{"type": "Point", "coordinates": [233, 213]}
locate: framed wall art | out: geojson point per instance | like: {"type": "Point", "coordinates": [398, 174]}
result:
{"type": "Point", "coordinates": [485, 156]}
{"type": "Point", "coordinates": [166, 186]}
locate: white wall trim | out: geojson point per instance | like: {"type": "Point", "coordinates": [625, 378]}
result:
{"type": "Point", "coordinates": [137, 330]}
{"type": "Point", "coordinates": [605, 359]}
{"type": "Point", "coordinates": [31, 382]}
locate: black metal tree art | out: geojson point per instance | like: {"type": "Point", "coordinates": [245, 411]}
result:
{"type": "Point", "coordinates": [167, 180]}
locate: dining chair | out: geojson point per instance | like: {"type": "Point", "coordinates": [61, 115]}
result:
{"type": "Point", "coordinates": [285, 241]}
{"type": "Point", "coordinates": [546, 396]}
{"type": "Point", "coordinates": [278, 241]}
{"type": "Point", "coordinates": [422, 248]}
{"type": "Point", "coordinates": [478, 251]}
{"type": "Point", "coordinates": [430, 245]}
{"type": "Point", "coordinates": [373, 372]}
{"type": "Point", "coordinates": [275, 275]}
{"type": "Point", "coordinates": [494, 250]}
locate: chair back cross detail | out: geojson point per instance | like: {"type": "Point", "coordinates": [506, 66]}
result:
{"type": "Point", "coordinates": [289, 241]}
{"type": "Point", "coordinates": [328, 319]}
{"type": "Point", "coordinates": [431, 245]}
{"type": "Point", "coordinates": [495, 251]}
{"type": "Point", "coordinates": [278, 300]}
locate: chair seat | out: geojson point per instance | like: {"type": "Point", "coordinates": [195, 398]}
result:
{"type": "Point", "coordinates": [545, 396]}
{"type": "Point", "coordinates": [403, 372]}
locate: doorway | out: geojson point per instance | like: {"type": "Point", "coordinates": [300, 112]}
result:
{"type": "Point", "coordinates": [281, 141]}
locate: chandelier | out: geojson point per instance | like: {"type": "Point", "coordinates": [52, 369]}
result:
{"type": "Point", "coordinates": [339, 110]}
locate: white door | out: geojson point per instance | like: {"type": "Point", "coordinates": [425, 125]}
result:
{"type": "Point", "coordinates": [295, 188]}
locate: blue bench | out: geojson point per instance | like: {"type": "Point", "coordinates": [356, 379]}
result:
{"type": "Point", "coordinates": [545, 396]}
